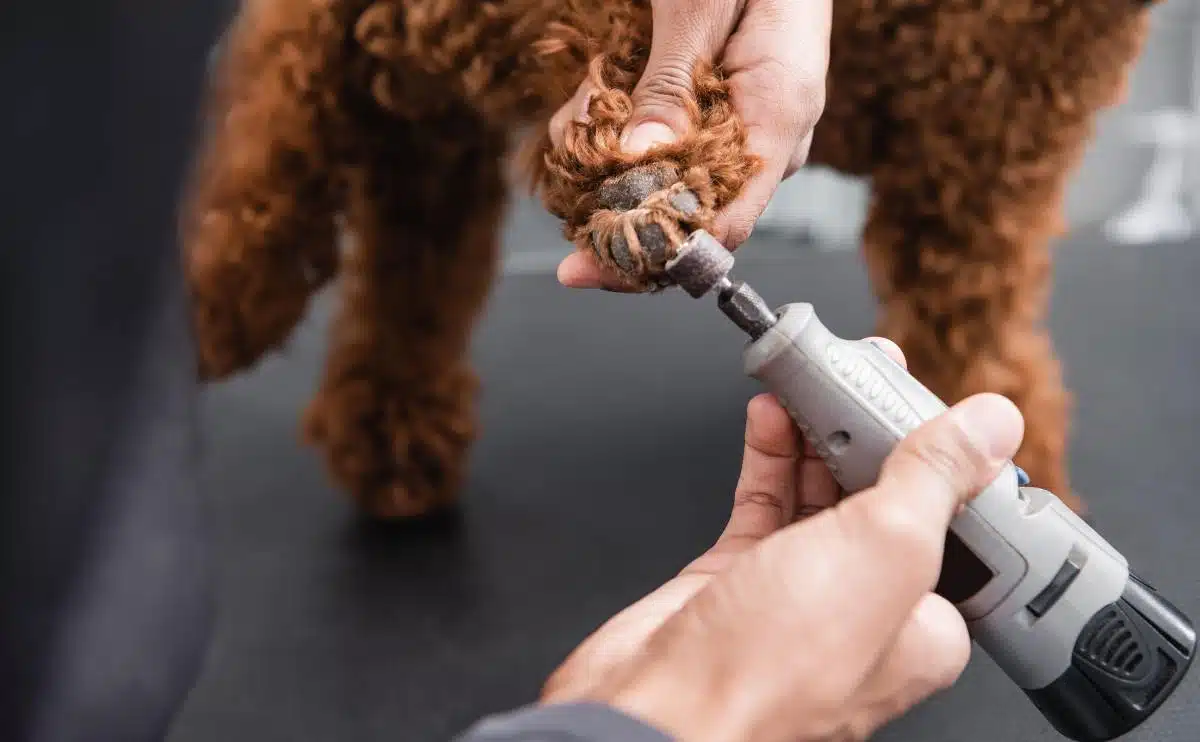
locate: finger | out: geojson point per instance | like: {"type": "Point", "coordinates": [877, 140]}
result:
{"type": "Point", "coordinates": [929, 655]}
{"type": "Point", "coordinates": [620, 638]}
{"type": "Point", "coordinates": [941, 465]}
{"type": "Point", "coordinates": [686, 33]}
{"type": "Point", "coordinates": [778, 87]}
{"type": "Point", "coordinates": [765, 496]}
{"type": "Point", "coordinates": [799, 156]}
{"type": "Point", "coordinates": [573, 111]}
{"type": "Point", "coordinates": [735, 223]}
{"type": "Point", "coordinates": [818, 489]}
{"type": "Point", "coordinates": [763, 503]}
{"type": "Point", "coordinates": [880, 550]}
{"type": "Point", "coordinates": [896, 530]}
{"type": "Point", "coordinates": [581, 270]}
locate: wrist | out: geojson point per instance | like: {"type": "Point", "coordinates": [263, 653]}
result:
{"type": "Point", "coordinates": [688, 704]}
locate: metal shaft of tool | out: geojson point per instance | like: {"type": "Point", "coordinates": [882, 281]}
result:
{"type": "Point", "coordinates": [703, 266]}
{"type": "Point", "coordinates": [745, 307]}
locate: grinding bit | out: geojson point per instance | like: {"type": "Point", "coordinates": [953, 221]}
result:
{"type": "Point", "coordinates": [701, 264]}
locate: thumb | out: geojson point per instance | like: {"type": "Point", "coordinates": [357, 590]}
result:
{"type": "Point", "coordinates": [951, 458]}
{"type": "Point", "coordinates": [891, 537]}
{"type": "Point", "coordinates": [932, 472]}
{"type": "Point", "coordinates": [686, 33]}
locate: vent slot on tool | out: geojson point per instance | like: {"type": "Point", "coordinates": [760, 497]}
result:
{"type": "Point", "coordinates": [1115, 646]}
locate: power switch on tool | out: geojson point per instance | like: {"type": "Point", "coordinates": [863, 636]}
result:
{"type": "Point", "coordinates": [1070, 569]}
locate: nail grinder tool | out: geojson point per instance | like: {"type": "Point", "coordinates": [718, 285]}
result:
{"type": "Point", "coordinates": [1096, 649]}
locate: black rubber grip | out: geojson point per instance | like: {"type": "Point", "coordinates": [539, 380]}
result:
{"type": "Point", "coordinates": [1126, 662]}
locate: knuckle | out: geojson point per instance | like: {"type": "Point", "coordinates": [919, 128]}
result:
{"type": "Point", "coordinates": [729, 545]}
{"type": "Point", "coordinates": [859, 728]}
{"type": "Point", "coordinates": [950, 455]}
{"type": "Point", "coordinates": [791, 94]}
{"type": "Point", "coordinates": [949, 665]}
{"type": "Point", "coordinates": [569, 679]}
{"type": "Point", "coordinates": [826, 702]}
{"type": "Point", "coordinates": [883, 711]}
{"type": "Point", "coordinates": [756, 498]}
{"type": "Point", "coordinates": [948, 645]}
{"type": "Point", "coordinates": [574, 110]}
{"type": "Point", "coordinates": [558, 123]}
{"type": "Point", "coordinates": [900, 526]}
{"type": "Point", "coordinates": [669, 85]}
{"type": "Point", "coordinates": [554, 685]}
{"type": "Point", "coordinates": [930, 676]}
{"type": "Point", "coordinates": [738, 233]}
{"type": "Point", "coordinates": [941, 457]}
{"type": "Point", "coordinates": [811, 90]}
{"type": "Point", "coordinates": [808, 96]}
{"type": "Point", "coordinates": [799, 157]}
{"type": "Point", "coordinates": [943, 675]}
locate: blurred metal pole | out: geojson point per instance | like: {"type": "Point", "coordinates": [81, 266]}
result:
{"type": "Point", "coordinates": [1165, 209]}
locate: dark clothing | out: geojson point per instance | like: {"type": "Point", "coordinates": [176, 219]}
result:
{"type": "Point", "coordinates": [105, 593]}
{"type": "Point", "coordinates": [566, 723]}
{"type": "Point", "coordinates": [104, 576]}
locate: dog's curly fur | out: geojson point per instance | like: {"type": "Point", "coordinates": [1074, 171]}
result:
{"type": "Point", "coordinates": [367, 140]}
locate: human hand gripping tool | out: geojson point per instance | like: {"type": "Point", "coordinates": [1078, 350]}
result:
{"type": "Point", "coordinates": [1096, 649]}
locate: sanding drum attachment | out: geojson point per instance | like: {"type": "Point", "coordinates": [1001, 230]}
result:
{"type": "Point", "coordinates": [701, 264]}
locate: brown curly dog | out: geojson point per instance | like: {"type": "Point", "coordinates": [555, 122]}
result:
{"type": "Point", "coordinates": [336, 126]}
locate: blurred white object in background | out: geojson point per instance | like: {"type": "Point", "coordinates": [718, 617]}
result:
{"type": "Point", "coordinates": [1138, 192]}
{"type": "Point", "coordinates": [1163, 211]}
{"type": "Point", "coordinates": [820, 205]}
{"type": "Point", "coordinates": [1169, 205]}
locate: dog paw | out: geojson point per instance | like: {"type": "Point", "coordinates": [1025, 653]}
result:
{"type": "Point", "coordinates": [643, 215]}
{"type": "Point", "coordinates": [400, 453]}
{"type": "Point", "coordinates": [242, 311]}
{"type": "Point", "coordinates": [222, 348]}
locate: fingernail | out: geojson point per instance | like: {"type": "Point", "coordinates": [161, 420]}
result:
{"type": "Point", "coordinates": [992, 423]}
{"type": "Point", "coordinates": [565, 275]}
{"type": "Point", "coordinates": [643, 137]}
{"type": "Point", "coordinates": [584, 114]}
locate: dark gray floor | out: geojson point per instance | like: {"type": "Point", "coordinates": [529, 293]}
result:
{"type": "Point", "coordinates": [612, 430]}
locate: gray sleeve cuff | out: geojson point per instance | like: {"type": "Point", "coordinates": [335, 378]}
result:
{"type": "Point", "coordinates": [576, 722]}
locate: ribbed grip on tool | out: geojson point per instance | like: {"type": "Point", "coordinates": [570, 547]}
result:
{"type": "Point", "coordinates": [851, 400]}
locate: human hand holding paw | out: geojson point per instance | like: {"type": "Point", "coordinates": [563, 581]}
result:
{"type": "Point", "coordinates": [731, 91]}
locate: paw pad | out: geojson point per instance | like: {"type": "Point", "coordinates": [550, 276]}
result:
{"type": "Point", "coordinates": [643, 216]}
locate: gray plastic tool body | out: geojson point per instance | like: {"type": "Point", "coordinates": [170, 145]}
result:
{"type": "Point", "coordinates": [854, 404]}
{"type": "Point", "coordinates": [1095, 649]}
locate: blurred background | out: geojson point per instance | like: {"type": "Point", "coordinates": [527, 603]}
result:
{"type": "Point", "coordinates": [1140, 180]}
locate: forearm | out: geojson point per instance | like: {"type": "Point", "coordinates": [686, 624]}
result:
{"type": "Point", "coordinates": [575, 722]}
